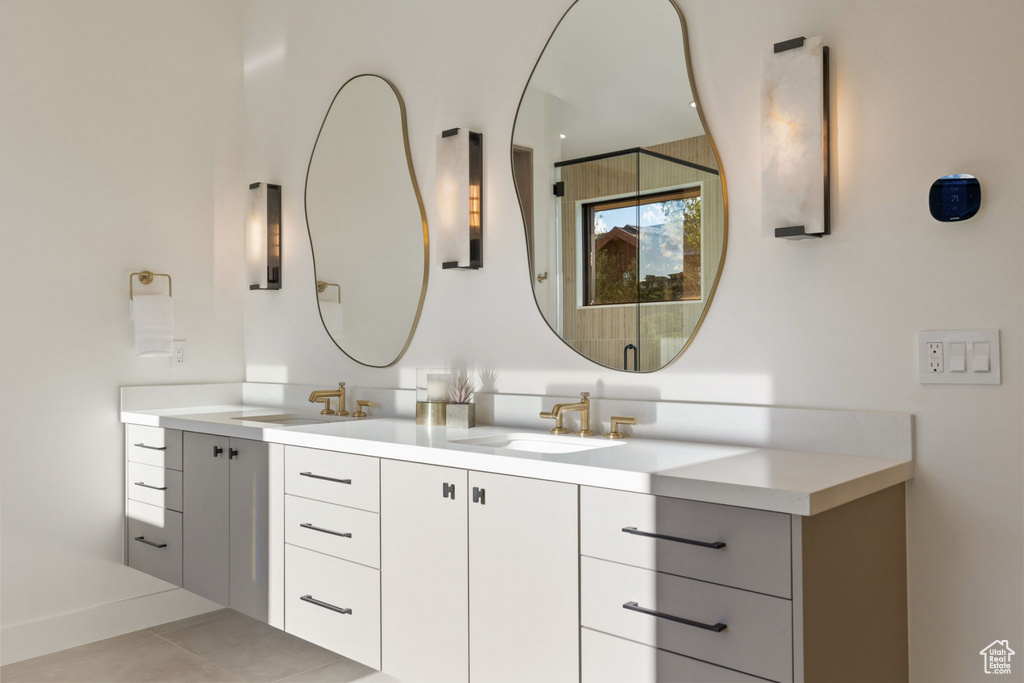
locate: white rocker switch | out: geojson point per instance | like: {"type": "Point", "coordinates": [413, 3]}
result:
{"type": "Point", "coordinates": [958, 357]}
{"type": "Point", "coordinates": [982, 354]}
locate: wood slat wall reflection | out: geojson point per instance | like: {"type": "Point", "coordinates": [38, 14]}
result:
{"type": "Point", "coordinates": [660, 330]}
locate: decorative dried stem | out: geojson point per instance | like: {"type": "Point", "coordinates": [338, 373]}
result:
{"type": "Point", "coordinates": [461, 389]}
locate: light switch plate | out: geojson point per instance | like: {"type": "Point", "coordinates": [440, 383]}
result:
{"type": "Point", "coordinates": [937, 368]}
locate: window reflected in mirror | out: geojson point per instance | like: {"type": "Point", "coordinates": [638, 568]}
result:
{"type": "Point", "coordinates": [623, 205]}
{"type": "Point", "coordinates": [643, 249]}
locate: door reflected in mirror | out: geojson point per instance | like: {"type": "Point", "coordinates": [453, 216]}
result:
{"type": "Point", "coordinates": [366, 224]}
{"type": "Point", "coordinates": [620, 185]}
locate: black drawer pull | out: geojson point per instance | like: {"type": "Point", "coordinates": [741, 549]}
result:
{"type": "Point", "coordinates": [155, 488]}
{"type": "Point", "coordinates": [717, 545]}
{"type": "Point", "coordinates": [143, 539]}
{"type": "Point", "coordinates": [326, 605]}
{"type": "Point", "coordinates": [717, 628]}
{"type": "Point", "coordinates": [152, 448]}
{"type": "Point", "coordinates": [320, 476]}
{"type": "Point", "coordinates": [232, 453]}
{"type": "Point", "coordinates": [479, 495]}
{"type": "Point", "coordinates": [326, 531]}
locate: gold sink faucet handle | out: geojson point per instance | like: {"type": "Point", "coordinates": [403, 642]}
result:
{"type": "Point", "coordinates": [616, 422]}
{"type": "Point", "coordinates": [359, 408]}
{"type": "Point", "coordinates": [558, 428]}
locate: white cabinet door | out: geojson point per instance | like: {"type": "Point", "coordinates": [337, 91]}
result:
{"type": "Point", "coordinates": [424, 604]}
{"type": "Point", "coordinates": [205, 517]}
{"type": "Point", "coordinates": [249, 498]}
{"type": "Point", "coordinates": [523, 580]}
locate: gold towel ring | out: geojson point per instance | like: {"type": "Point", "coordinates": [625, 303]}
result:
{"type": "Point", "coordinates": [321, 286]}
{"type": "Point", "coordinates": [146, 278]}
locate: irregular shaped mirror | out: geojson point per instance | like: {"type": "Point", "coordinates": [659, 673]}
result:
{"type": "Point", "coordinates": [366, 224]}
{"type": "Point", "coordinates": [620, 185]}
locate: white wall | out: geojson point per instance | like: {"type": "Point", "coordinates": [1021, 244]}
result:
{"type": "Point", "coordinates": [121, 139]}
{"type": "Point", "coordinates": [829, 323]}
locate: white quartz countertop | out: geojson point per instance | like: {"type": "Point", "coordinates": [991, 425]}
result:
{"type": "Point", "coordinates": [794, 482]}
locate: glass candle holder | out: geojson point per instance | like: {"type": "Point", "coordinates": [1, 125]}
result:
{"type": "Point", "coordinates": [432, 385]}
{"type": "Point", "coordinates": [432, 395]}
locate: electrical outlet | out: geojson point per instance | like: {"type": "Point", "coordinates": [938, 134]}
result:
{"type": "Point", "coordinates": [958, 357]}
{"type": "Point", "coordinates": [178, 354]}
{"type": "Point", "coordinates": [934, 351]}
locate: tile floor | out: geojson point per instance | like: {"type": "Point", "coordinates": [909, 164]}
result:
{"type": "Point", "coordinates": [213, 647]}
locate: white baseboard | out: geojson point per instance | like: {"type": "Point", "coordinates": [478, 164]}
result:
{"type": "Point", "coordinates": [35, 638]}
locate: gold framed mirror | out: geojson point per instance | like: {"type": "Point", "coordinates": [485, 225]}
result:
{"type": "Point", "coordinates": [367, 226]}
{"type": "Point", "coordinates": [620, 185]}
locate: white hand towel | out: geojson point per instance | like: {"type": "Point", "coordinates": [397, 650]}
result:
{"type": "Point", "coordinates": [154, 324]}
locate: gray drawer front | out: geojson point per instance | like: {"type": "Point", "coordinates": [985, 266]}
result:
{"type": "Point", "coordinates": [335, 585]}
{"type": "Point", "coordinates": [338, 478]}
{"type": "Point", "coordinates": [154, 446]}
{"type": "Point", "coordinates": [154, 485]}
{"type": "Point", "coordinates": [325, 526]}
{"type": "Point", "coordinates": [757, 549]}
{"type": "Point", "coordinates": [150, 527]}
{"type": "Point", "coordinates": [758, 638]}
{"type": "Point", "coordinates": [608, 659]}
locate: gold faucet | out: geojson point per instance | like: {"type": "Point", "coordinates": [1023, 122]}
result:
{"type": "Point", "coordinates": [325, 396]}
{"type": "Point", "coordinates": [583, 408]}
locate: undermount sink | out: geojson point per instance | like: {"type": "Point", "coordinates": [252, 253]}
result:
{"type": "Point", "coordinates": [536, 443]}
{"type": "Point", "coordinates": [291, 419]}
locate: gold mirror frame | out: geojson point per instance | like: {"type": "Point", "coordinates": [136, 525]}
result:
{"type": "Point", "coordinates": [725, 195]}
{"type": "Point", "coordinates": [320, 285]}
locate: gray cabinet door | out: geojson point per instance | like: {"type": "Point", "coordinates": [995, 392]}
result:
{"type": "Point", "coordinates": [205, 518]}
{"type": "Point", "coordinates": [249, 500]}
{"type": "Point", "coordinates": [424, 604]}
{"type": "Point", "coordinates": [523, 580]}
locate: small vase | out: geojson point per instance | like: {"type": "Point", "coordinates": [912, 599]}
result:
{"type": "Point", "coordinates": [461, 415]}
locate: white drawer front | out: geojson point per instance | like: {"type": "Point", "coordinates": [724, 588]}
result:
{"type": "Point", "coordinates": [336, 585]}
{"type": "Point", "coordinates": [333, 529]}
{"type": "Point", "coordinates": [339, 478]}
{"type": "Point", "coordinates": [154, 446]}
{"type": "Point", "coordinates": [607, 659]}
{"type": "Point", "coordinates": [757, 549]}
{"type": "Point", "coordinates": [154, 541]}
{"type": "Point", "coordinates": [758, 638]}
{"type": "Point", "coordinates": [154, 485]}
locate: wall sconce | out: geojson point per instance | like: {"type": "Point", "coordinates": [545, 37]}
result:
{"type": "Point", "coordinates": [460, 172]}
{"type": "Point", "coordinates": [795, 139]}
{"type": "Point", "coordinates": [263, 237]}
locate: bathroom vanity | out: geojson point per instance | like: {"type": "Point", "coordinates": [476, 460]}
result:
{"type": "Point", "coordinates": [457, 555]}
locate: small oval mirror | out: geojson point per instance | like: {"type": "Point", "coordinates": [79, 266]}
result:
{"type": "Point", "coordinates": [366, 224]}
{"type": "Point", "coordinates": [620, 185]}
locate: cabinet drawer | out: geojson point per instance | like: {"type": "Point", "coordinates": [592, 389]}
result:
{"type": "Point", "coordinates": [154, 446]}
{"type": "Point", "coordinates": [758, 634]}
{"type": "Point", "coordinates": [346, 617]}
{"type": "Point", "coordinates": [607, 659]}
{"type": "Point", "coordinates": [322, 527]}
{"type": "Point", "coordinates": [154, 541]}
{"type": "Point", "coordinates": [154, 485]}
{"type": "Point", "coordinates": [339, 478]}
{"type": "Point", "coordinates": [756, 555]}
